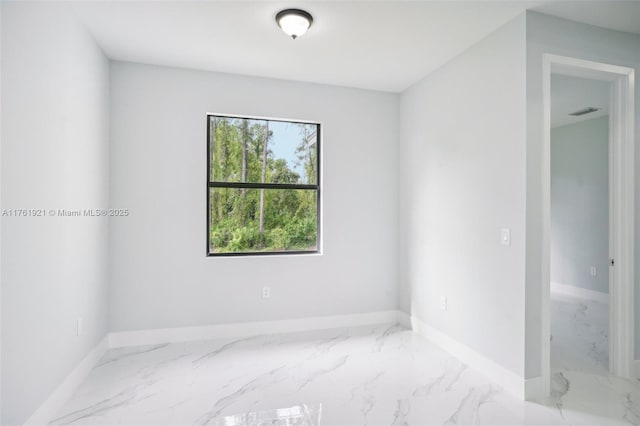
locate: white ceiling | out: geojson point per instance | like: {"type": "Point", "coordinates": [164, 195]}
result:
{"type": "Point", "coordinates": [569, 94]}
{"type": "Point", "coordinates": [382, 45]}
{"type": "Point", "coordinates": [613, 14]}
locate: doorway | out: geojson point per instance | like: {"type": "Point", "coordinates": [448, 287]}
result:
{"type": "Point", "coordinates": [620, 273]}
{"type": "Point", "coordinates": [580, 180]}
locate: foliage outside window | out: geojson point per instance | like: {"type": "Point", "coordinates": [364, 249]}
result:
{"type": "Point", "coordinates": [263, 189]}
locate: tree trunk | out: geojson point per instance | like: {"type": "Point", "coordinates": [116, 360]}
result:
{"type": "Point", "coordinates": [245, 136]}
{"type": "Point", "coordinates": [312, 171]}
{"type": "Point", "coordinates": [213, 217]}
{"type": "Point", "coordinates": [245, 143]}
{"type": "Point", "coordinates": [264, 177]}
{"type": "Point", "coordinates": [212, 149]}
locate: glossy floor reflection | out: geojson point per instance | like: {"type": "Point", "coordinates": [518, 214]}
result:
{"type": "Point", "coordinates": [299, 415]}
{"type": "Point", "coordinates": [583, 391]}
{"type": "Point", "coordinates": [383, 375]}
{"type": "Point", "coordinates": [579, 334]}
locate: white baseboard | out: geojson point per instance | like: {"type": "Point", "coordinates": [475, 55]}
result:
{"type": "Point", "coordinates": [579, 292]}
{"type": "Point", "coordinates": [50, 407]}
{"type": "Point", "coordinates": [404, 319]}
{"type": "Point", "coordinates": [536, 388]}
{"type": "Point", "coordinates": [246, 329]}
{"type": "Point", "coordinates": [509, 380]}
{"type": "Point", "coordinates": [636, 365]}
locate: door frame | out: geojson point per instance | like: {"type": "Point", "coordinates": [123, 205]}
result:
{"type": "Point", "coordinates": [621, 207]}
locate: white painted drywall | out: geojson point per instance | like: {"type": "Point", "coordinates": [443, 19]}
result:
{"type": "Point", "coordinates": [462, 180]}
{"type": "Point", "coordinates": [160, 276]}
{"type": "Point", "coordinates": [570, 94]}
{"type": "Point", "coordinates": [1, 210]}
{"type": "Point", "coordinates": [580, 204]}
{"type": "Point", "coordinates": [546, 34]}
{"type": "Point", "coordinates": [55, 156]}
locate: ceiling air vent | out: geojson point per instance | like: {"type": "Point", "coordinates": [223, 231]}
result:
{"type": "Point", "coordinates": [584, 111]}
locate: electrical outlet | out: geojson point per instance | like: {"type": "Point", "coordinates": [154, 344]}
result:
{"type": "Point", "coordinates": [443, 303]}
{"type": "Point", "coordinates": [79, 327]}
{"type": "Point", "coordinates": [266, 292]}
{"type": "Point", "coordinates": [594, 271]}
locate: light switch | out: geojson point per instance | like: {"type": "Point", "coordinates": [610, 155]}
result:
{"type": "Point", "coordinates": [505, 236]}
{"type": "Point", "coordinates": [443, 303]}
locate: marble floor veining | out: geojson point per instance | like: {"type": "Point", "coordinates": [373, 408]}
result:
{"type": "Point", "coordinates": [579, 334]}
{"type": "Point", "coordinates": [582, 388]}
{"type": "Point", "coordinates": [383, 375]}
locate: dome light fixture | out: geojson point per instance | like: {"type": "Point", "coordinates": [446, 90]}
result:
{"type": "Point", "coordinates": [294, 22]}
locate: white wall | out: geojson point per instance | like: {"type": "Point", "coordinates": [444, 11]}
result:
{"type": "Point", "coordinates": [546, 34]}
{"type": "Point", "coordinates": [1, 205]}
{"type": "Point", "coordinates": [55, 155]}
{"type": "Point", "coordinates": [160, 274]}
{"type": "Point", "coordinates": [462, 180]}
{"type": "Point", "coordinates": [580, 204]}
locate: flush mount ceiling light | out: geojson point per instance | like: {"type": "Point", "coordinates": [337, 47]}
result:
{"type": "Point", "coordinates": [294, 22]}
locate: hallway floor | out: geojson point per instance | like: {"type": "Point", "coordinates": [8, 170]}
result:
{"type": "Point", "coordinates": [579, 334]}
{"type": "Point", "coordinates": [580, 363]}
{"type": "Point", "coordinates": [383, 375]}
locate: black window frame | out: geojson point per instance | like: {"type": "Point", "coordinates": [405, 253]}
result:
{"type": "Point", "coordinates": [217, 184]}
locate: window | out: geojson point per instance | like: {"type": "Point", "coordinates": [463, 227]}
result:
{"type": "Point", "coordinates": [263, 186]}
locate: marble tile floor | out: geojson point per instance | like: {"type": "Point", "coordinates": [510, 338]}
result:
{"type": "Point", "coordinates": [581, 382]}
{"type": "Point", "coordinates": [383, 375]}
{"type": "Point", "coordinates": [579, 334]}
